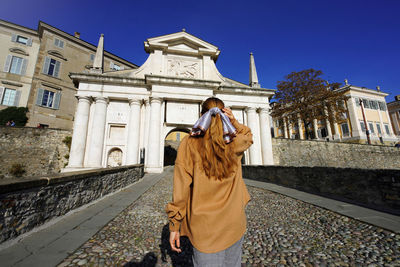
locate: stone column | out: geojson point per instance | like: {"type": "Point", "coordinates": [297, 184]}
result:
{"type": "Point", "coordinates": [301, 133]}
{"type": "Point", "coordinates": [133, 132]}
{"type": "Point", "coordinates": [315, 128]}
{"type": "Point", "coordinates": [290, 129]}
{"type": "Point", "coordinates": [328, 127]}
{"type": "Point", "coordinates": [153, 157]}
{"type": "Point", "coordinates": [336, 127]}
{"type": "Point", "coordinates": [285, 128]}
{"type": "Point", "coordinates": [97, 133]}
{"type": "Point", "coordinates": [355, 123]}
{"type": "Point", "coordinates": [266, 141]}
{"type": "Point", "coordinates": [255, 157]}
{"type": "Point", "coordinates": [146, 128]}
{"type": "Point", "coordinates": [78, 144]}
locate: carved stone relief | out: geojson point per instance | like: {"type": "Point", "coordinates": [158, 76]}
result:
{"type": "Point", "coordinates": [184, 69]}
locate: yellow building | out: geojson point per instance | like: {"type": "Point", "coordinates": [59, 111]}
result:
{"type": "Point", "coordinates": [394, 112]}
{"type": "Point", "coordinates": [352, 128]}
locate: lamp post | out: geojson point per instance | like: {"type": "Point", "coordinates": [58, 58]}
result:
{"type": "Point", "coordinates": [365, 121]}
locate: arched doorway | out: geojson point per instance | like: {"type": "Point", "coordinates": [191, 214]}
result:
{"type": "Point", "coordinates": [171, 144]}
{"type": "Point", "coordinates": [114, 158]}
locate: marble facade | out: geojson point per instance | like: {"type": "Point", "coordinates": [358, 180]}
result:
{"type": "Point", "coordinates": [123, 117]}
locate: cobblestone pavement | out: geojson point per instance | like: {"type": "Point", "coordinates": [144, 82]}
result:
{"type": "Point", "coordinates": [281, 232]}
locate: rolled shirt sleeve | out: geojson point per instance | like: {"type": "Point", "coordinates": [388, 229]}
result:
{"type": "Point", "coordinates": [183, 176]}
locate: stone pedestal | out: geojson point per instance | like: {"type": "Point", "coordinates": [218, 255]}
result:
{"type": "Point", "coordinates": [133, 132]}
{"type": "Point", "coordinates": [98, 131]}
{"type": "Point", "coordinates": [79, 135]}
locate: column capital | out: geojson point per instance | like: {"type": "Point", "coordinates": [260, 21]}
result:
{"type": "Point", "coordinates": [84, 98]}
{"type": "Point", "coordinates": [98, 99]}
{"type": "Point", "coordinates": [134, 101]}
{"type": "Point", "coordinates": [264, 110]}
{"type": "Point", "coordinates": [250, 109]}
{"type": "Point", "coordinates": [154, 99]}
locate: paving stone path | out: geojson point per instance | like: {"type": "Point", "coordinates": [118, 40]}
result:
{"type": "Point", "coordinates": [281, 232]}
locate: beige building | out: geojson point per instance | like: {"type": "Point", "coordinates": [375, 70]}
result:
{"type": "Point", "coordinates": [36, 66]}
{"type": "Point", "coordinates": [394, 112]}
{"type": "Point", "coordinates": [352, 128]}
{"type": "Point", "coordinates": [19, 47]}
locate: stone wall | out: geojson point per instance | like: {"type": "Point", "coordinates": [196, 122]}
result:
{"type": "Point", "coordinates": [374, 188]}
{"type": "Point", "coordinates": [30, 203]}
{"type": "Point", "coordinates": [40, 151]}
{"type": "Point", "coordinates": [292, 152]}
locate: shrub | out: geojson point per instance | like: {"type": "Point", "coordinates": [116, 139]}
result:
{"type": "Point", "coordinates": [67, 141]}
{"type": "Point", "coordinates": [17, 114]}
{"type": "Point", "coordinates": [17, 169]}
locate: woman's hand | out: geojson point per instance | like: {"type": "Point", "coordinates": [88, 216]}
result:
{"type": "Point", "coordinates": [174, 238]}
{"type": "Point", "coordinates": [229, 114]}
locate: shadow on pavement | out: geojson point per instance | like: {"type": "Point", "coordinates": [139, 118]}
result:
{"type": "Point", "coordinates": [149, 260]}
{"type": "Point", "coordinates": [183, 259]}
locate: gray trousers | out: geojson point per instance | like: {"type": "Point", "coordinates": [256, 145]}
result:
{"type": "Point", "coordinates": [230, 257]}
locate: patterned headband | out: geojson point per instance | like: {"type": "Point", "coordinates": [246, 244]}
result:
{"type": "Point", "coordinates": [203, 123]}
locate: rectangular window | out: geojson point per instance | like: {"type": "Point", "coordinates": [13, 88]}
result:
{"type": "Point", "coordinates": [371, 127]}
{"type": "Point", "coordinates": [382, 106]}
{"type": "Point", "coordinates": [362, 126]}
{"type": "Point", "coordinates": [366, 103]}
{"type": "Point", "coordinates": [9, 97]}
{"type": "Point", "coordinates": [22, 40]}
{"type": "Point", "coordinates": [91, 57]}
{"type": "Point", "coordinates": [374, 104]}
{"type": "Point", "coordinates": [51, 67]}
{"type": "Point", "coordinates": [16, 65]}
{"type": "Point", "coordinates": [357, 100]}
{"type": "Point", "coordinates": [48, 99]}
{"type": "Point", "coordinates": [378, 127]}
{"type": "Point", "coordinates": [386, 128]}
{"type": "Point", "coordinates": [58, 43]}
{"type": "Point", "coordinates": [345, 129]}
{"type": "Point", "coordinates": [116, 67]}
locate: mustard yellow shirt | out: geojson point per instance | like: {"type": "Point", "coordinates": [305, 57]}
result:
{"type": "Point", "coordinates": [207, 210]}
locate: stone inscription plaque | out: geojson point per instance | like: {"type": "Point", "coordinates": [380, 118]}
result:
{"type": "Point", "coordinates": [182, 113]}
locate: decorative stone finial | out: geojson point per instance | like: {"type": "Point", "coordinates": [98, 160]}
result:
{"type": "Point", "coordinates": [378, 88]}
{"type": "Point", "coordinates": [98, 59]}
{"type": "Point", "coordinates": [184, 30]}
{"type": "Point", "coordinates": [346, 82]}
{"type": "Point", "coordinates": [253, 79]}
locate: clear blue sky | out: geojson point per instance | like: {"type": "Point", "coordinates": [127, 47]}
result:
{"type": "Point", "coordinates": [354, 39]}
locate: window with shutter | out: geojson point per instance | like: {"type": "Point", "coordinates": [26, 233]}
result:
{"type": "Point", "coordinates": [8, 97]}
{"type": "Point", "coordinates": [39, 97]}
{"type": "Point", "coordinates": [22, 40]}
{"type": "Point", "coordinates": [8, 63]}
{"type": "Point", "coordinates": [57, 100]}
{"type": "Point", "coordinates": [57, 69]}
{"type": "Point", "coordinates": [13, 38]}
{"type": "Point", "coordinates": [29, 43]}
{"type": "Point", "coordinates": [17, 97]}
{"type": "Point", "coordinates": [1, 93]}
{"type": "Point", "coordinates": [16, 65]}
{"type": "Point", "coordinates": [46, 65]}
{"type": "Point", "coordinates": [24, 65]}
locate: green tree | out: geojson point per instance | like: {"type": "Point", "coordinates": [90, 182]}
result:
{"type": "Point", "coordinates": [17, 114]}
{"type": "Point", "coordinates": [307, 96]}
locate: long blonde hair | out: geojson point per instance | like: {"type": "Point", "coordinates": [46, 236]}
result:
{"type": "Point", "coordinates": [217, 156]}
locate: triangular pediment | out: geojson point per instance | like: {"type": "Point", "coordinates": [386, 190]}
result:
{"type": "Point", "coordinates": [181, 42]}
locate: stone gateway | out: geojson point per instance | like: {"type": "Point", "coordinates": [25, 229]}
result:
{"type": "Point", "coordinates": [123, 117]}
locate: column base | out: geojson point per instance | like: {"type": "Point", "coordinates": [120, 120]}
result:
{"type": "Point", "coordinates": [153, 169]}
